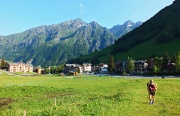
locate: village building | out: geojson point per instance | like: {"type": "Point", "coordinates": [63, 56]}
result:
{"type": "Point", "coordinates": [76, 68]}
{"type": "Point", "coordinates": [120, 66]}
{"type": "Point", "coordinates": [39, 70]}
{"type": "Point", "coordinates": [87, 67]}
{"type": "Point", "coordinates": [103, 68]}
{"type": "Point", "coordinates": [140, 66]}
{"type": "Point", "coordinates": [20, 67]}
{"type": "Point", "coordinates": [73, 69]}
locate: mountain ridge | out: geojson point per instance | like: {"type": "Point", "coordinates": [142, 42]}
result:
{"type": "Point", "coordinates": [120, 30]}
{"type": "Point", "coordinates": [56, 43]}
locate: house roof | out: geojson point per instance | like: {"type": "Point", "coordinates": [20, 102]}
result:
{"type": "Point", "coordinates": [72, 65]}
{"type": "Point", "coordinates": [87, 64]}
{"type": "Point", "coordinates": [18, 63]}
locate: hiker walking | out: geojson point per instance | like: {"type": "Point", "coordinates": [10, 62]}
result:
{"type": "Point", "coordinates": [151, 87]}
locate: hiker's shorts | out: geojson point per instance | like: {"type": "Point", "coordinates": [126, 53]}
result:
{"type": "Point", "coordinates": [151, 92]}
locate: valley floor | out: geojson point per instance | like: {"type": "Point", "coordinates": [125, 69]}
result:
{"type": "Point", "coordinates": [89, 95]}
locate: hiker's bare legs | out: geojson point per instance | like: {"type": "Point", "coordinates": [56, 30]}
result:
{"type": "Point", "coordinates": [149, 97]}
{"type": "Point", "coordinates": [153, 98]}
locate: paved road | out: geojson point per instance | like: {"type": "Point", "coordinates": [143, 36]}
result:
{"type": "Point", "coordinates": [131, 76]}
{"type": "Point", "coordinates": [8, 72]}
{"type": "Point", "coordinates": [116, 76]}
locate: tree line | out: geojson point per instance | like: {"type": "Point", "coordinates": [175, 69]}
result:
{"type": "Point", "coordinates": [161, 65]}
{"type": "Point", "coordinates": [54, 69]}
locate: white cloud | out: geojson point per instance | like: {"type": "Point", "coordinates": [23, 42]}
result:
{"type": "Point", "coordinates": [81, 8]}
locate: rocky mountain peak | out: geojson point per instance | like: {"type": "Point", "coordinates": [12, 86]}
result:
{"type": "Point", "coordinates": [128, 23]}
{"type": "Point", "coordinates": [75, 23]}
{"type": "Point", "coordinates": [94, 24]}
{"type": "Point", "coordinates": [120, 30]}
{"type": "Point", "coordinates": [139, 22]}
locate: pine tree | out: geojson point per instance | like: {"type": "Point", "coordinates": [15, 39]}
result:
{"type": "Point", "coordinates": [111, 64]}
{"type": "Point", "coordinates": [166, 60]}
{"type": "Point", "coordinates": [177, 61]}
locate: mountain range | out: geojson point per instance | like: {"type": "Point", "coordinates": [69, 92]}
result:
{"type": "Point", "coordinates": [54, 44]}
{"type": "Point", "coordinates": [155, 37]}
{"type": "Point", "coordinates": [120, 30]}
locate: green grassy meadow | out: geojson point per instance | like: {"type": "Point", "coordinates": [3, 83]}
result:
{"type": "Point", "coordinates": [86, 96]}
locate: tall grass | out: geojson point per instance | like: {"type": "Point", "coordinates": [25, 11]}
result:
{"type": "Point", "coordinates": [89, 95]}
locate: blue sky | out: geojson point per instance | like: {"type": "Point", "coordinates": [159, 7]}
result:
{"type": "Point", "coordinates": [19, 15]}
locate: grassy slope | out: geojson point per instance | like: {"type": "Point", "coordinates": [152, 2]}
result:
{"type": "Point", "coordinates": [142, 51]}
{"type": "Point", "coordinates": [86, 96]}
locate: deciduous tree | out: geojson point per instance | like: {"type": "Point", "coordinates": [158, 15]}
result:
{"type": "Point", "coordinates": [3, 64]}
{"type": "Point", "coordinates": [130, 65]}
{"type": "Point", "coordinates": [158, 63]}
